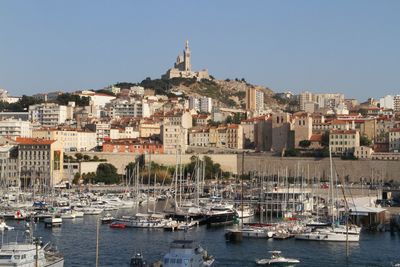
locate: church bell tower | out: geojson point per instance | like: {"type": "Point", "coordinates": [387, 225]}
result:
{"type": "Point", "coordinates": [186, 56]}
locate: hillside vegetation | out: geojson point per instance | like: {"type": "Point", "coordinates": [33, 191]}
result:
{"type": "Point", "coordinates": [230, 93]}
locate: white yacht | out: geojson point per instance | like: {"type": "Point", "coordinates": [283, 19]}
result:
{"type": "Point", "coordinates": [184, 253]}
{"type": "Point", "coordinates": [277, 260]}
{"type": "Point", "coordinates": [245, 212]}
{"type": "Point", "coordinates": [24, 255]}
{"type": "Point", "coordinates": [335, 234]}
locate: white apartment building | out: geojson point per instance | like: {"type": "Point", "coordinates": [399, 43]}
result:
{"type": "Point", "coordinates": [206, 104]}
{"type": "Point", "coordinates": [129, 108]}
{"type": "Point", "coordinates": [194, 103]}
{"type": "Point", "coordinates": [329, 101]}
{"type": "Point", "coordinates": [394, 140]}
{"type": "Point", "coordinates": [201, 104]}
{"type": "Point", "coordinates": [70, 140]}
{"type": "Point", "coordinates": [174, 138]}
{"type": "Point", "coordinates": [344, 141]}
{"type": "Point", "coordinates": [9, 166]}
{"type": "Point", "coordinates": [386, 102]}
{"type": "Point", "coordinates": [137, 90]}
{"type": "Point", "coordinates": [102, 131]}
{"type": "Point", "coordinates": [48, 114]}
{"type": "Point", "coordinates": [15, 128]}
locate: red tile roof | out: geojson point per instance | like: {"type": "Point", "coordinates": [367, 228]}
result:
{"type": "Point", "coordinates": [33, 141]}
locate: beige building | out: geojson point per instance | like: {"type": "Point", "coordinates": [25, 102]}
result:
{"type": "Point", "coordinates": [148, 129]}
{"type": "Point", "coordinates": [234, 136]}
{"type": "Point", "coordinates": [282, 134]}
{"type": "Point", "coordinates": [181, 118]}
{"type": "Point", "coordinates": [174, 138]}
{"type": "Point", "coordinates": [40, 162]}
{"type": "Point", "coordinates": [344, 142]}
{"type": "Point", "coordinates": [70, 140]}
{"type": "Point", "coordinates": [199, 137]}
{"type": "Point", "coordinates": [254, 99]}
{"type": "Point", "coordinates": [302, 126]}
{"type": "Point", "coordinates": [363, 152]}
{"type": "Point", "coordinates": [394, 140]}
{"type": "Point", "coordinates": [9, 166]}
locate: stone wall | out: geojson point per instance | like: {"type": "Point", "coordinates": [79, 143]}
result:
{"type": "Point", "coordinates": [354, 169]}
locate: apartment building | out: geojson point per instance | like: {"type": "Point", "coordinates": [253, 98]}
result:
{"type": "Point", "coordinates": [180, 118]}
{"type": "Point", "coordinates": [394, 140]}
{"type": "Point", "coordinates": [120, 108]}
{"type": "Point", "coordinates": [15, 128]}
{"type": "Point", "coordinates": [9, 165]}
{"type": "Point", "coordinates": [70, 140]}
{"type": "Point", "coordinates": [149, 129]}
{"type": "Point", "coordinates": [40, 162]}
{"type": "Point", "coordinates": [254, 99]}
{"type": "Point", "coordinates": [133, 145]}
{"type": "Point", "coordinates": [48, 114]}
{"type": "Point", "coordinates": [174, 138]}
{"type": "Point", "coordinates": [199, 137]}
{"type": "Point", "coordinates": [344, 142]}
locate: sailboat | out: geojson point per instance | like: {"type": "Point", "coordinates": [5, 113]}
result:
{"type": "Point", "coordinates": [336, 233]}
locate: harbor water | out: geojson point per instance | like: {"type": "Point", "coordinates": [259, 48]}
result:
{"type": "Point", "coordinates": [76, 240]}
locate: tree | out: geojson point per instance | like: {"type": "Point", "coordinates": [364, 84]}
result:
{"type": "Point", "coordinates": [325, 139]}
{"type": "Point", "coordinates": [292, 153]}
{"type": "Point", "coordinates": [76, 179]}
{"type": "Point", "coordinates": [305, 143]}
{"type": "Point", "coordinates": [86, 157]}
{"type": "Point", "coordinates": [79, 156]}
{"type": "Point", "coordinates": [95, 158]}
{"type": "Point", "coordinates": [107, 173]}
{"type": "Point", "coordinates": [365, 141]}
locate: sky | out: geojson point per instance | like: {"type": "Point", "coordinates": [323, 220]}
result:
{"type": "Point", "coordinates": [352, 47]}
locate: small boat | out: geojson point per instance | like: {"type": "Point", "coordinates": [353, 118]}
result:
{"type": "Point", "coordinates": [4, 226]}
{"type": "Point", "coordinates": [53, 222]}
{"type": "Point", "coordinates": [138, 261]}
{"type": "Point", "coordinates": [117, 225]}
{"type": "Point", "coordinates": [184, 252]}
{"type": "Point", "coordinates": [277, 260]}
{"type": "Point", "coordinates": [107, 219]}
{"type": "Point", "coordinates": [20, 215]}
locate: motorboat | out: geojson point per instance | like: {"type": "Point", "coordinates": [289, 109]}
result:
{"type": "Point", "coordinates": [220, 214]}
{"type": "Point", "coordinates": [4, 226]}
{"type": "Point", "coordinates": [277, 260]}
{"type": "Point", "coordinates": [187, 253]}
{"type": "Point", "coordinates": [107, 219]}
{"type": "Point", "coordinates": [138, 261]}
{"type": "Point", "coordinates": [117, 225]}
{"type": "Point", "coordinates": [24, 254]}
{"type": "Point", "coordinates": [53, 222]}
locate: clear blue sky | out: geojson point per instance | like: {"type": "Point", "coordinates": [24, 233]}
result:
{"type": "Point", "coordinates": [339, 46]}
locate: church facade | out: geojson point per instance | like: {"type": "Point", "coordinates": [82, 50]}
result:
{"type": "Point", "coordinates": [183, 67]}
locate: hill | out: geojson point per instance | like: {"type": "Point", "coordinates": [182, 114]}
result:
{"type": "Point", "coordinates": [229, 93]}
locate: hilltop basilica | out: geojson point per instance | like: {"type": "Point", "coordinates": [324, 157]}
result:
{"type": "Point", "coordinates": [183, 67]}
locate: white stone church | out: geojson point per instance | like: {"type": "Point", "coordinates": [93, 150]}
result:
{"type": "Point", "coordinates": [183, 67]}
